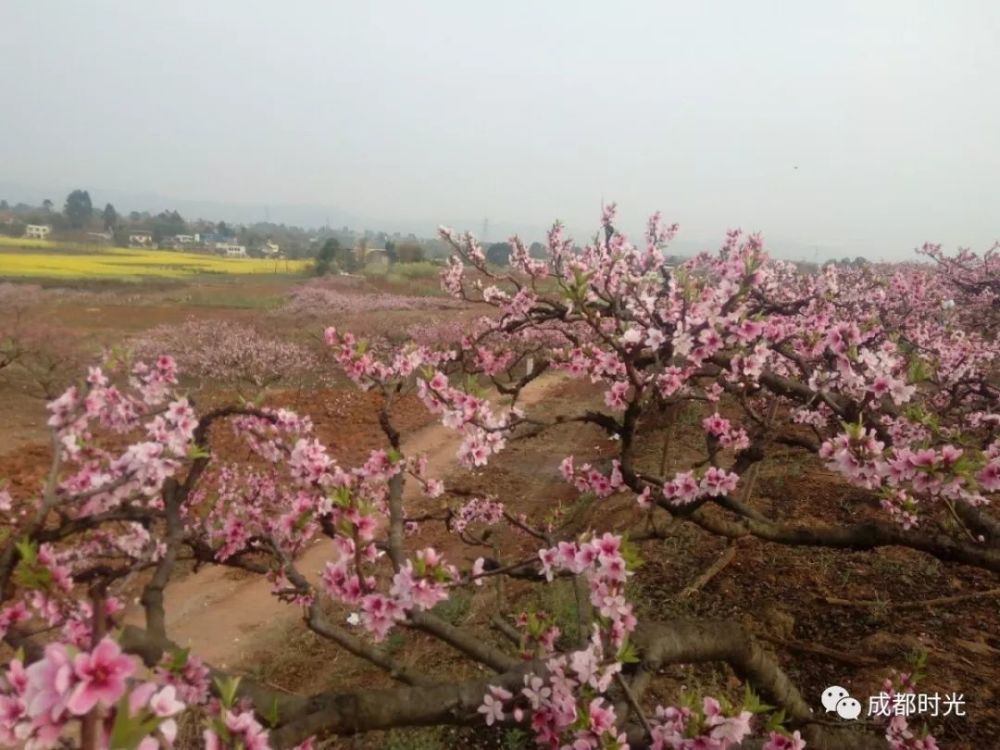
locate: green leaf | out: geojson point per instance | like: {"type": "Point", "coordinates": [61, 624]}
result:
{"type": "Point", "coordinates": [271, 716]}
{"type": "Point", "coordinates": [29, 573]}
{"type": "Point", "coordinates": [227, 690]}
{"type": "Point", "coordinates": [918, 665]}
{"type": "Point", "coordinates": [753, 703]}
{"type": "Point", "coordinates": [128, 730]}
{"type": "Point", "coordinates": [628, 654]}
{"type": "Point", "coordinates": [179, 659]}
{"type": "Point", "coordinates": [197, 451]}
{"type": "Point", "coordinates": [472, 386]}
{"type": "Point", "coordinates": [341, 497]}
{"type": "Point", "coordinates": [303, 520]}
{"type": "Point", "coordinates": [776, 722]}
{"type": "Point", "coordinates": [630, 554]}
{"type": "Point", "coordinates": [28, 551]}
{"type": "Point", "coordinates": [854, 430]}
{"type": "Point", "coordinates": [967, 464]}
{"type": "Point", "coordinates": [917, 372]}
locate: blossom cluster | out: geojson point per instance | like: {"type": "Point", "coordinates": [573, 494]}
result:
{"type": "Point", "coordinates": [37, 702]}
{"type": "Point", "coordinates": [369, 366]}
{"type": "Point", "coordinates": [484, 429]}
{"type": "Point", "coordinates": [419, 584]}
{"type": "Point", "coordinates": [586, 478]}
{"type": "Point", "coordinates": [602, 562]}
{"type": "Point", "coordinates": [479, 510]}
{"type": "Point", "coordinates": [722, 430]}
{"type": "Point", "coordinates": [907, 475]}
{"type": "Point", "coordinates": [686, 488]}
{"type": "Point", "coordinates": [564, 706]}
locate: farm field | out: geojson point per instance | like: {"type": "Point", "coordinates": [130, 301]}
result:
{"type": "Point", "coordinates": [258, 338]}
{"type": "Point", "coordinates": [43, 260]}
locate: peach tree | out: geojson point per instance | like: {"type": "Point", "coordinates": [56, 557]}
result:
{"type": "Point", "coordinates": [885, 373]}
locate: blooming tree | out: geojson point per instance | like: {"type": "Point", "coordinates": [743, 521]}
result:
{"type": "Point", "coordinates": [873, 370]}
{"type": "Point", "coordinates": [32, 350]}
{"type": "Point", "coordinates": [219, 351]}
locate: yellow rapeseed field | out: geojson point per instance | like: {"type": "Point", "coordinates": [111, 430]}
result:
{"type": "Point", "coordinates": [42, 259]}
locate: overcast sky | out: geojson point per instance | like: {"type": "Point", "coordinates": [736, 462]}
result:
{"type": "Point", "coordinates": [864, 128]}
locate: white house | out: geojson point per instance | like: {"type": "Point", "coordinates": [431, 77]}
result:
{"type": "Point", "coordinates": [231, 250]}
{"type": "Point", "coordinates": [140, 238]}
{"type": "Point", "coordinates": [271, 248]}
{"type": "Point", "coordinates": [37, 231]}
{"type": "Point", "coordinates": [186, 239]}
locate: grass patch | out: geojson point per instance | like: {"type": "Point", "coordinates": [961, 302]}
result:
{"type": "Point", "coordinates": [234, 301]}
{"type": "Point", "coordinates": [423, 269]}
{"type": "Point", "coordinates": [559, 599]}
{"type": "Point", "coordinates": [28, 242]}
{"type": "Point", "coordinates": [431, 738]}
{"type": "Point", "coordinates": [455, 608]}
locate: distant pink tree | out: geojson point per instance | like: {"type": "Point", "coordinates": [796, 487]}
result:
{"type": "Point", "coordinates": [228, 352]}
{"type": "Point", "coordinates": [321, 298]}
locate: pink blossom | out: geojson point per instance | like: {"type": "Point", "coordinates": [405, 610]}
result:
{"type": "Point", "coordinates": [492, 707]}
{"type": "Point", "coordinates": [49, 682]}
{"type": "Point", "coordinates": [778, 741]}
{"type": "Point", "coordinates": [101, 674]}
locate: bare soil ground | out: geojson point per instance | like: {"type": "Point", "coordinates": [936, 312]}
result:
{"type": "Point", "coordinates": [777, 592]}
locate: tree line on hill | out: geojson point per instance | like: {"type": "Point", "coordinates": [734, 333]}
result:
{"type": "Point", "coordinates": [80, 220]}
{"type": "Point", "coordinates": [340, 249]}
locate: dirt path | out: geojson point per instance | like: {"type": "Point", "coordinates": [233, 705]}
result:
{"type": "Point", "coordinates": [224, 615]}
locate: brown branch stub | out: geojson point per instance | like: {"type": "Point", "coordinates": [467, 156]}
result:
{"type": "Point", "coordinates": [326, 629]}
{"type": "Point", "coordinates": [720, 564]}
{"type": "Point", "coordinates": [815, 649]}
{"type": "Point", "coordinates": [862, 536]}
{"type": "Point", "coordinates": [913, 604]}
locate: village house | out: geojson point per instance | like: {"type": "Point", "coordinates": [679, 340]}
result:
{"type": "Point", "coordinates": [100, 238]}
{"type": "Point", "coordinates": [376, 257]}
{"type": "Point", "coordinates": [270, 248]}
{"type": "Point", "coordinates": [180, 242]}
{"type": "Point", "coordinates": [37, 231]}
{"type": "Point", "coordinates": [231, 250]}
{"type": "Point", "coordinates": [140, 238]}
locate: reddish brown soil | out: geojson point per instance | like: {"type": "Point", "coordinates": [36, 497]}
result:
{"type": "Point", "coordinates": [775, 591]}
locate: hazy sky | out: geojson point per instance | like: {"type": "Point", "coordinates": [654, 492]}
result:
{"type": "Point", "coordinates": [526, 111]}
